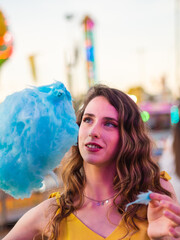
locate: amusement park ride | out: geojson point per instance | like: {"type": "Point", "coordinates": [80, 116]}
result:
{"type": "Point", "coordinates": [6, 40]}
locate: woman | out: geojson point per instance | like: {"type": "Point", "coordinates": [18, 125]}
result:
{"type": "Point", "coordinates": [110, 166]}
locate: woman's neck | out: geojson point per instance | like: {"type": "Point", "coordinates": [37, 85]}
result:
{"type": "Point", "coordinates": [99, 182]}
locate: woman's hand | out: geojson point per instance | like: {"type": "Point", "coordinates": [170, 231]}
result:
{"type": "Point", "coordinates": [163, 217]}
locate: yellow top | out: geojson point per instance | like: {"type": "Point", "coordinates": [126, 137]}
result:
{"type": "Point", "coordinates": [72, 228]}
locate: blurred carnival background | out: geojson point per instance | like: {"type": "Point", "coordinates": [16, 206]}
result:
{"type": "Point", "coordinates": [133, 45]}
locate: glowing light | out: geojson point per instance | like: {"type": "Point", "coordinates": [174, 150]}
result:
{"type": "Point", "coordinates": [8, 37]}
{"type": "Point", "coordinates": [6, 40]}
{"type": "Point", "coordinates": [174, 114]}
{"type": "Point", "coordinates": [145, 116]}
{"type": "Point", "coordinates": [133, 97]}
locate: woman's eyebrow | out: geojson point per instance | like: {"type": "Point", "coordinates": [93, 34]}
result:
{"type": "Point", "coordinates": [111, 119]}
{"type": "Point", "coordinates": [105, 118]}
{"type": "Point", "coordinates": [89, 114]}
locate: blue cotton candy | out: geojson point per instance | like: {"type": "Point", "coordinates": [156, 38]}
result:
{"type": "Point", "coordinates": [37, 127]}
{"type": "Point", "coordinates": [142, 198]}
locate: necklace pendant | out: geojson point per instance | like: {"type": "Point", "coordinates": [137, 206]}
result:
{"type": "Point", "coordinates": [99, 203]}
{"type": "Point", "coordinates": [102, 203]}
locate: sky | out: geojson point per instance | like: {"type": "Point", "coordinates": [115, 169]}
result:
{"type": "Point", "coordinates": [134, 43]}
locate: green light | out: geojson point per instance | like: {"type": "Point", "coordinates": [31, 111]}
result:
{"type": "Point", "coordinates": [174, 114]}
{"type": "Point", "coordinates": [145, 116]}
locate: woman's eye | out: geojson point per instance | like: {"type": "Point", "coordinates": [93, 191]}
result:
{"type": "Point", "coordinates": [87, 120]}
{"type": "Point", "coordinates": [111, 124]}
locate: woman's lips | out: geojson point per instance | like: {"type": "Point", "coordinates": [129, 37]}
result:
{"type": "Point", "coordinates": [93, 147]}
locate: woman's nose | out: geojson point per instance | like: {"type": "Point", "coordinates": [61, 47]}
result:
{"type": "Point", "coordinates": [94, 131]}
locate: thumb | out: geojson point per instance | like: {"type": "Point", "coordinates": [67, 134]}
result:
{"type": "Point", "coordinates": [154, 203]}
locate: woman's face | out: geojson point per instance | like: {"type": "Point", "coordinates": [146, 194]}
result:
{"type": "Point", "coordinates": [99, 134]}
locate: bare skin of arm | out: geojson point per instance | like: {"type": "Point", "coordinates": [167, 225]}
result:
{"type": "Point", "coordinates": [33, 222]}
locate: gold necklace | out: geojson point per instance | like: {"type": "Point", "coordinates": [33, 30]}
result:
{"type": "Point", "coordinates": [99, 202]}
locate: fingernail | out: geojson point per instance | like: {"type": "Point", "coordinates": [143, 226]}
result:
{"type": "Point", "coordinates": [166, 213]}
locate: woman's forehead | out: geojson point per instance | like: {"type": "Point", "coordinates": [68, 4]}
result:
{"type": "Point", "coordinates": [100, 105]}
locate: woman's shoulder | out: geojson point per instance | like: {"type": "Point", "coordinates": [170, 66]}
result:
{"type": "Point", "coordinates": [40, 214]}
{"type": "Point", "coordinates": [166, 184]}
{"type": "Point", "coordinates": [32, 222]}
{"type": "Point", "coordinates": [164, 181]}
{"type": "Point", "coordinates": [46, 209]}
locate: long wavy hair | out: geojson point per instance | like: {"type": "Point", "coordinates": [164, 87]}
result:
{"type": "Point", "coordinates": [135, 170]}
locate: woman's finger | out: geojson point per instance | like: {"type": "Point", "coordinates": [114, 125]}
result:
{"type": "Point", "coordinates": [154, 203]}
{"type": "Point", "coordinates": [172, 206]}
{"type": "Point", "coordinates": [173, 217]}
{"type": "Point", "coordinates": [174, 233]}
{"type": "Point", "coordinates": [159, 197]}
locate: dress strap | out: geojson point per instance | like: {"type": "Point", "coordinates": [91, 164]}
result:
{"type": "Point", "coordinates": [165, 175]}
{"type": "Point", "coordinates": [57, 196]}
